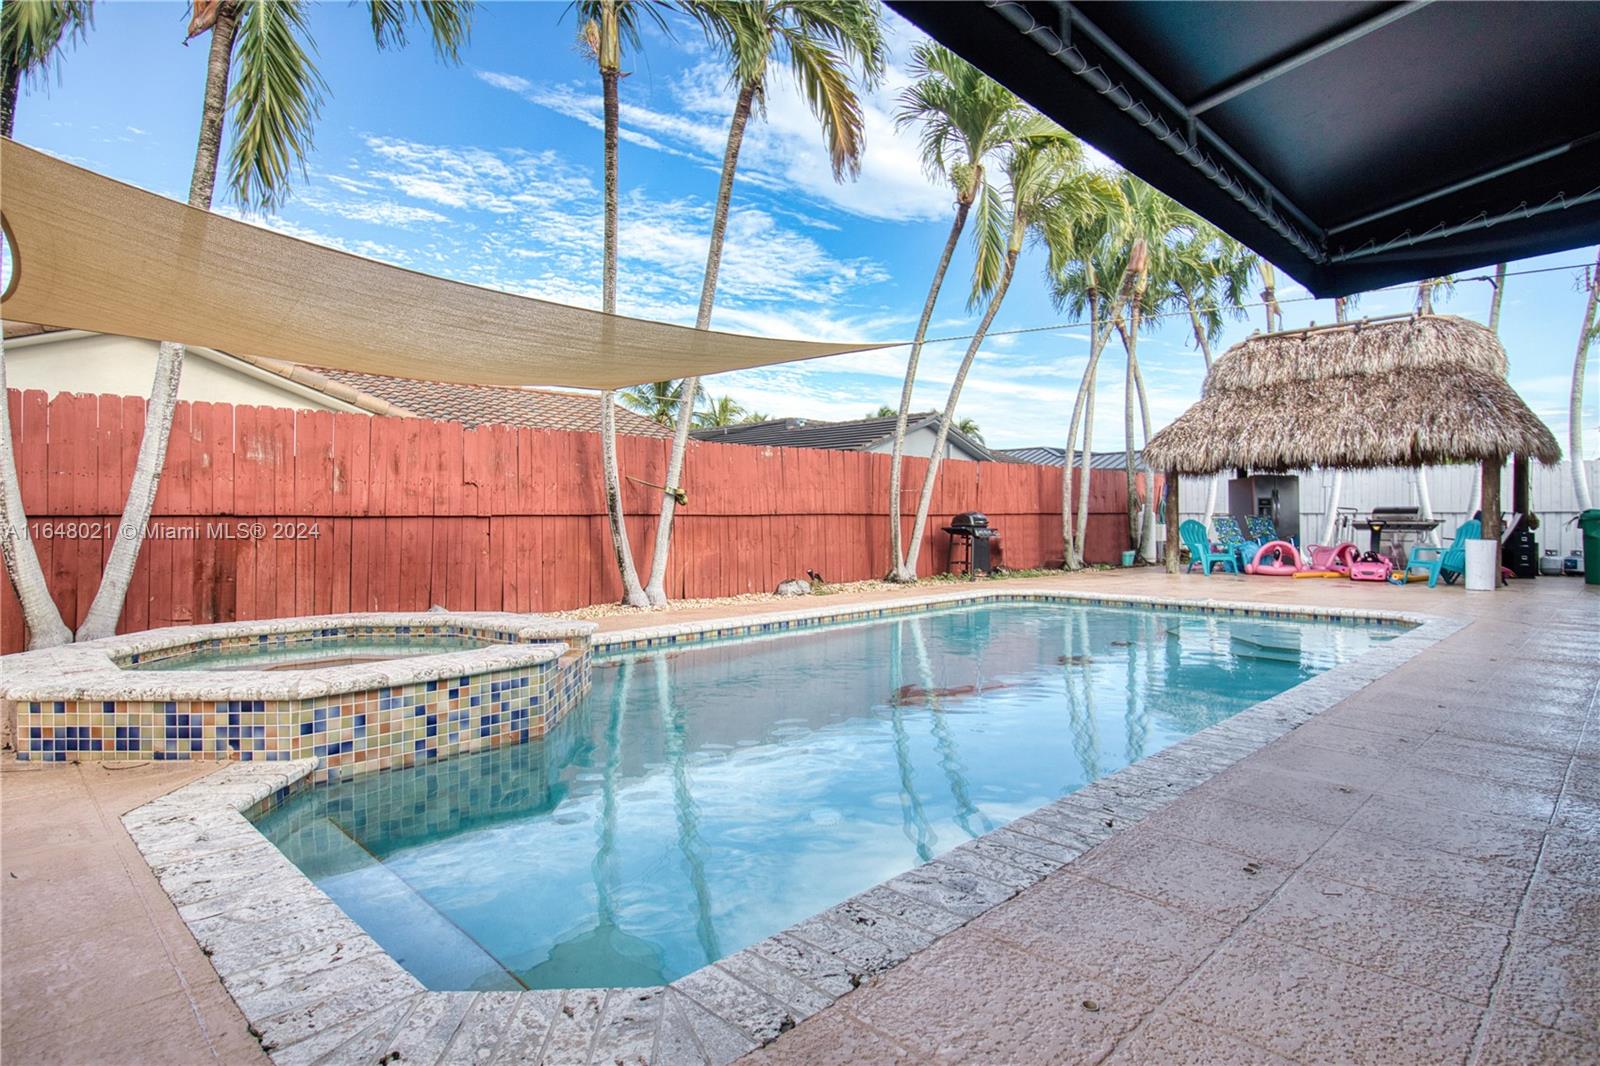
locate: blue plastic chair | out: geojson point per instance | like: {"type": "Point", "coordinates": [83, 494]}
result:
{"type": "Point", "coordinates": [1232, 539]}
{"type": "Point", "coordinates": [1201, 553]}
{"type": "Point", "coordinates": [1448, 563]}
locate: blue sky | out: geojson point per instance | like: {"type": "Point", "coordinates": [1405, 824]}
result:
{"type": "Point", "coordinates": [489, 172]}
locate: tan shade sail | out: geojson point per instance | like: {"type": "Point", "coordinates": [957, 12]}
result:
{"type": "Point", "coordinates": [92, 253]}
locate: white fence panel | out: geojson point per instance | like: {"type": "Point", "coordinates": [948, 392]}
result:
{"type": "Point", "coordinates": [1453, 491]}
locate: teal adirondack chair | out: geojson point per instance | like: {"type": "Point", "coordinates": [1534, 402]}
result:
{"type": "Point", "coordinates": [1448, 563]}
{"type": "Point", "coordinates": [1200, 551]}
{"type": "Point", "coordinates": [1232, 539]}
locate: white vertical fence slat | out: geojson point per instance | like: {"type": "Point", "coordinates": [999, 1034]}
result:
{"type": "Point", "coordinates": [1454, 492]}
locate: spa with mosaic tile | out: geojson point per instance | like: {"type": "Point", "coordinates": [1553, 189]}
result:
{"type": "Point", "coordinates": [355, 693]}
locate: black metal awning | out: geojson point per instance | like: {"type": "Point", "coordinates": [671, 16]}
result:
{"type": "Point", "coordinates": [1354, 144]}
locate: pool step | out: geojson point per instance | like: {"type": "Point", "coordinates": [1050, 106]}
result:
{"type": "Point", "coordinates": [436, 950]}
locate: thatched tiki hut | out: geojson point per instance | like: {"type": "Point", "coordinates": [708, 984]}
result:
{"type": "Point", "coordinates": [1406, 391]}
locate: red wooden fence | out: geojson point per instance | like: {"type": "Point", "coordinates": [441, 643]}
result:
{"type": "Point", "coordinates": [266, 511]}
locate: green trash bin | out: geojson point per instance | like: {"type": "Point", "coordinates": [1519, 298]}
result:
{"type": "Point", "coordinates": [1589, 522]}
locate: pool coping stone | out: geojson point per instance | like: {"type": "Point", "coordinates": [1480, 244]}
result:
{"type": "Point", "coordinates": [316, 988]}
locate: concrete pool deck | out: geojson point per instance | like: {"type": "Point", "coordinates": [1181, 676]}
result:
{"type": "Point", "coordinates": [1413, 874]}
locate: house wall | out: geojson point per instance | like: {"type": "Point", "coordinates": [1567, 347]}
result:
{"type": "Point", "coordinates": [920, 443]}
{"type": "Point", "coordinates": [265, 512]}
{"type": "Point", "coordinates": [124, 366]}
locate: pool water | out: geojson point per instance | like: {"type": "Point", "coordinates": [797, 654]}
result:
{"type": "Point", "coordinates": [705, 797]}
{"type": "Point", "coordinates": [343, 650]}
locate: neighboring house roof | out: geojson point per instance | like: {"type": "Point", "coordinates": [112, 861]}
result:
{"type": "Point", "coordinates": [1047, 456]}
{"type": "Point", "coordinates": [857, 435]}
{"type": "Point", "coordinates": [478, 405]}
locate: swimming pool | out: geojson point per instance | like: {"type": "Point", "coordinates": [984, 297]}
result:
{"type": "Point", "coordinates": [704, 797]}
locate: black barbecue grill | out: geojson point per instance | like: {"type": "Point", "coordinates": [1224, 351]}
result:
{"type": "Point", "coordinates": [973, 544]}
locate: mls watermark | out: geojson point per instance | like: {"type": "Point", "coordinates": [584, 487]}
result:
{"type": "Point", "coordinates": [225, 530]}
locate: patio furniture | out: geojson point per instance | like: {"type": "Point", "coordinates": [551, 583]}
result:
{"type": "Point", "coordinates": [1201, 552]}
{"type": "Point", "coordinates": [1263, 530]}
{"type": "Point", "coordinates": [1233, 539]}
{"type": "Point", "coordinates": [1448, 563]}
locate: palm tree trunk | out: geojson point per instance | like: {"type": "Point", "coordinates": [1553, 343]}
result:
{"type": "Point", "coordinates": [1130, 472]}
{"type": "Point", "coordinates": [925, 498]}
{"type": "Point", "coordinates": [204, 178]}
{"type": "Point", "coordinates": [1498, 298]}
{"type": "Point", "coordinates": [1205, 349]}
{"type": "Point", "coordinates": [632, 592]}
{"type": "Point", "coordinates": [1071, 554]}
{"type": "Point", "coordinates": [898, 570]}
{"type": "Point", "coordinates": [1269, 296]}
{"type": "Point", "coordinates": [1098, 339]}
{"type": "Point", "coordinates": [1090, 373]}
{"type": "Point", "coordinates": [1580, 366]}
{"type": "Point", "coordinates": [39, 611]}
{"type": "Point", "coordinates": [101, 621]}
{"type": "Point", "coordinates": [657, 588]}
{"type": "Point", "coordinates": [1147, 524]}
{"type": "Point", "coordinates": [8, 99]}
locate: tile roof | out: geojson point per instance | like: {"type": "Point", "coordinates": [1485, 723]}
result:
{"type": "Point", "coordinates": [478, 405]}
{"type": "Point", "coordinates": [857, 435]}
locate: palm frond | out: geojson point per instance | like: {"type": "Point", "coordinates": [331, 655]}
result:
{"type": "Point", "coordinates": [276, 95]}
{"type": "Point", "coordinates": [449, 23]}
{"type": "Point", "coordinates": [991, 226]}
{"type": "Point", "coordinates": [824, 81]}
{"type": "Point", "coordinates": [33, 32]}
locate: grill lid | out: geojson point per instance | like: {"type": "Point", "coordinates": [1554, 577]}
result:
{"type": "Point", "coordinates": [970, 520]}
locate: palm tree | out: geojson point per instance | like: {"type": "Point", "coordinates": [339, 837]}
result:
{"type": "Point", "coordinates": [657, 401]}
{"type": "Point", "coordinates": [607, 25]}
{"type": "Point", "coordinates": [820, 41]}
{"type": "Point", "coordinates": [1164, 226]}
{"type": "Point", "coordinates": [723, 411]}
{"type": "Point", "coordinates": [751, 418]}
{"type": "Point", "coordinates": [1081, 270]}
{"type": "Point", "coordinates": [32, 33]}
{"type": "Point", "coordinates": [262, 47]}
{"type": "Point", "coordinates": [1587, 336]}
{"type": "Point", "coordinates": [31, 36]}
{"type": "Point", "coordinates": [963, 116]}
{"type": "Point", "coordinates": [1210, 277]}
{"type": "Point", "coordinates": [969, 428]}
{"type": "Point", "coordinates": [1045, 179]}
{"type": "Point", "coordinates": [883, 411]}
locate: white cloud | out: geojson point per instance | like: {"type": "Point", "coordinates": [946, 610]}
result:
{"type": "Point", "coordinates": [783, 150]}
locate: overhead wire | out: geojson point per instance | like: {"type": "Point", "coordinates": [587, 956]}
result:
{"type": "Point", "coordinates": [1056, 327]}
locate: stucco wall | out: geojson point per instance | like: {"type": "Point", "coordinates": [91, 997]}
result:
{"type": "Point", "coordinates": [123, 366]}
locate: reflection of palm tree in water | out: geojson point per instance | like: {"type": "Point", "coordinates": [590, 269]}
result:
{"type": "Point", "coordinates": [914, 819]}
{"type": "Point", "coordinates": [688, 816]}
{"type": "Point", "coordinates": [1080, 714]}
{"type": "Point", "coordinates": [949, 759]}
{"type": "Point", "coordinates": [1137, 715]}
{"type": "Point", "coordinates": [605, 954]}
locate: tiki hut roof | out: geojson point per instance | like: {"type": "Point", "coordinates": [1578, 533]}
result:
{"type": "Point", "coordinates": [1407, 391]}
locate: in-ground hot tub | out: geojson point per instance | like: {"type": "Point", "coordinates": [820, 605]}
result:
{"type": "Point", "coordinates": [356, 692]}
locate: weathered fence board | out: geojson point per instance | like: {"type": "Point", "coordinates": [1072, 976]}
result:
{"type": "Point", "coordinates": [266, 512]}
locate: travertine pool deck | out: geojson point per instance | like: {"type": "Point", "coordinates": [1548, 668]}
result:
{"type": "Point", "coordinates": [1411, 876]}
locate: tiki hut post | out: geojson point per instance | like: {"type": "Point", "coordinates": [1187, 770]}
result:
{"type": "Point", "coordinates": [1172, 522]}
{"type": "Point", "coordinates": [1491, 499]}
